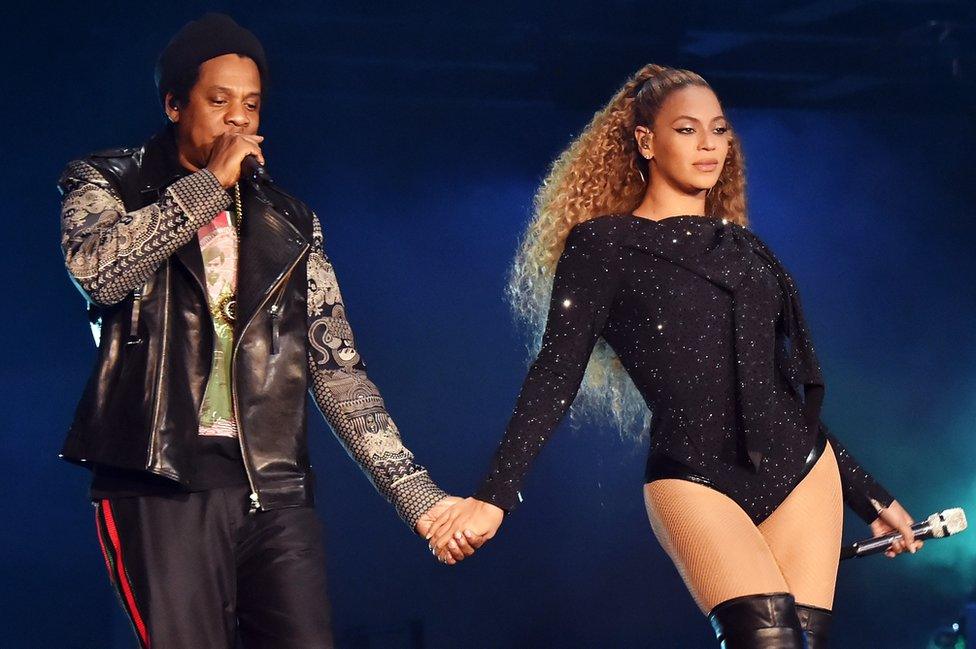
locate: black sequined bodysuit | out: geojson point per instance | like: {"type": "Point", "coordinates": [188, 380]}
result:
{"type": "Point", "coordinates": [708, 325]}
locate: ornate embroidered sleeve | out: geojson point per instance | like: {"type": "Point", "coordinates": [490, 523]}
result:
{"type": "Point", "coordinates": [108, 251]}
{"type": "Point", "coordinates": [862, 492]}
{"type": "Point", "coordinates": [351, 403]}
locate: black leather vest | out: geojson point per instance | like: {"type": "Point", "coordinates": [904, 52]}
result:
{"type": "Point", "coordinates": [140, 407]}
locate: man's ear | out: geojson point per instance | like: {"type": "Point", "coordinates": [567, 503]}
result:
{"type": "Point", "coordinates": [645, 141]}
{"type": "Point", "coordinates": [172, 107]}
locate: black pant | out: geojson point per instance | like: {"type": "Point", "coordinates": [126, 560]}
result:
{"type": "Point", "coordinates": [197, 570]}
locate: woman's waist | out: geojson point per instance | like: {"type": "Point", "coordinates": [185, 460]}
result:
{"type": "Point", "coordinates": [703, 414]}
{"type": "Point", "coordinates": [710, 466]}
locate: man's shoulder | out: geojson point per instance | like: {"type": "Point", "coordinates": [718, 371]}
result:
{"type": "Point", "coordinates": [103, 168]}
{"type": "Point", "coordinates": [288, 197]}
{"type": "Point", "coordinates": [292, 202]}
{"type": "Point", "coordinates": [103, 157]}
{"type": "Point", "coordinates": [292, 208]}
{"type": "Point", "coordinates": [117, 152]}
{"type": "Point", "coordinates": [118, 161]}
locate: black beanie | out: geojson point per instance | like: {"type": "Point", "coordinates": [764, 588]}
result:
{"type": "Point", "coordinates": [200, 40]}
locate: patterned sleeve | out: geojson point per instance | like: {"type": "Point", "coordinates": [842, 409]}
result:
{"type": "Point", "coordinates": [108, 251]}
{"type": "Point", "coordinates": [351, 403]}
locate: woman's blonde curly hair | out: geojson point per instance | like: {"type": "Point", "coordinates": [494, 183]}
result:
{"type": "Point", "coordinates": [602, 172]}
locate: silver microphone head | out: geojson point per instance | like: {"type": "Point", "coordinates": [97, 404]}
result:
{"type": "Point", "coordinates": [948, 522]}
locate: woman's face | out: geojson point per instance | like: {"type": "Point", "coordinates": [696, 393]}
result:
{"type": "Point", "coordinates": [689, 140]}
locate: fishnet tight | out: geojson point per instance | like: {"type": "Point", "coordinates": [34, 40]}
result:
{"type": "Point", "coordinates": [721, 554]}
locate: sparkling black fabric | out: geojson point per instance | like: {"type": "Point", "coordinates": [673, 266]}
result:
{"type": "Point", "coordinates": [708, 325]}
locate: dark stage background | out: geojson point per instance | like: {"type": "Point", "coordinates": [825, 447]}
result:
{"type": "Point", "coordinates": [418, 133]}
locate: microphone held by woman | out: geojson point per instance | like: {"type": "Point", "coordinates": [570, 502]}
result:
{"type": "Point", "coordinates": [945, 523]}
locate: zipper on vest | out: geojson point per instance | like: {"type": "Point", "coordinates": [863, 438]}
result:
{"type": "Point", "coordinates": [133, 338]}
{"type": "Point", "coordinates": [274, 328]}
{"type": "Point", "coordinates": [254, 498]}
{"type": "Point", "coordinates": [274, 314]}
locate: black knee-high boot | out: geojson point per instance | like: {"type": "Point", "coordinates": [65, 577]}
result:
{"type": "Point", "coordinates": [816, 623]}
{"type": "Point", "coordinates": [766, 621]}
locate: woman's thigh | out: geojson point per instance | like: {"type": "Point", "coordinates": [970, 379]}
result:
{"type": "Point", "coordinates": [804, 533]}
{"type": "Point", "coordinates": [715, 546]}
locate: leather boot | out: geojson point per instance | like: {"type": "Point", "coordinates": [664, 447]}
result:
{"type": "Point", "coordinates": [766, 621]}
{"type": "Point", "coordinates": [816, 624]}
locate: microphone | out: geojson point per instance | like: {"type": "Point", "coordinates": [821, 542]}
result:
{"type": "Point", "coordinates": [254, 171]}
{"type": "Point", "coordinates": [937, 526]}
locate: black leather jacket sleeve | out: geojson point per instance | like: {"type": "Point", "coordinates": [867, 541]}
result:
{"type": "Point", "coordinates": [351, 403]}
{"type": "Point", "coordinates": [108, 251]}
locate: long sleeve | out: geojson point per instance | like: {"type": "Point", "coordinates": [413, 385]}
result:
{"type": "Point", "coordinates": [584, 286]}
{"type": "Point", "coordinates": [351, 403]}
{"type": "Point", "coordinates": [862, 492]}
{"type": "Point", "coordinates": [108, 251]}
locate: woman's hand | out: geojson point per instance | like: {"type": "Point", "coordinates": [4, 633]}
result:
{"type": "Point", "coordinates": [470, 521]}
{"type": "Point", "coordinates": [464, 547]}
{"type": "Point", "coordinates": [894, 518]}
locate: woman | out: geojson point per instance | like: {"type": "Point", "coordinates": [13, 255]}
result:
{"type": "Point", "coordinates": [639, 248]}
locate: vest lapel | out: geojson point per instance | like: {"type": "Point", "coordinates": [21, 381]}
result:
{"type": "Point", "coordinates": [191, 257]}
{"type": "Point", "coordinates": [270, 246]}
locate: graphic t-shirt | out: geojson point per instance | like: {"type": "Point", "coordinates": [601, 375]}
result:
{"type": "Point", "coordinates": [218, 244]}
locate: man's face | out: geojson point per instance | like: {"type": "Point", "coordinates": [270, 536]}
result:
{"type": "Point", "coordinates": [225, 99]}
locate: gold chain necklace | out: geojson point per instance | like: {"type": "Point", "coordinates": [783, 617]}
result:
{"type": "Point", "coordinates": [240, 212]}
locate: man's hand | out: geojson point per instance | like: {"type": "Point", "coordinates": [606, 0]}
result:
{"type": "Point", "coordinates": [894, 518]}
{"type": "Point", "coordinates": [454, 552]}
{"type": "Point", "coordinates": [227, 154]}
{"type": "Point", "coordinates": [472, 521]}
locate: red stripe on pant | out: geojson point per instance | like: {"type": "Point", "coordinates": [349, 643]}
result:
{"type": "Point", "coordinates": [100, 533]}
{"type": "Point", "coordinates": [122, 581]}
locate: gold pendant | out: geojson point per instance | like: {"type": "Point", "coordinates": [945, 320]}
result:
{"type": "Point", "coordinates": [226, 309]}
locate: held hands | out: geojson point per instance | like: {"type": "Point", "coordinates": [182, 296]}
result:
{"type": "Point", "coordinates": [469, 522]}
{"type": "Point", "coordinates": [457, 551]}
{"type": "Point", "coordinates": [894, 518]}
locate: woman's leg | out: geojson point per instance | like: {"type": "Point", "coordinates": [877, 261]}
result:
{"type": "Point", "coordinates": [726, 564]}
{"type": "Point", "coordinates": [717, 549]}
{"type": "Point", "coordinates": [804, 535]}
{"type": "Point", "coordinates": [740, 573]}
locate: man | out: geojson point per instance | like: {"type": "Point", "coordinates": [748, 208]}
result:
{"type": "Point", "coordinates": [216, 309]}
